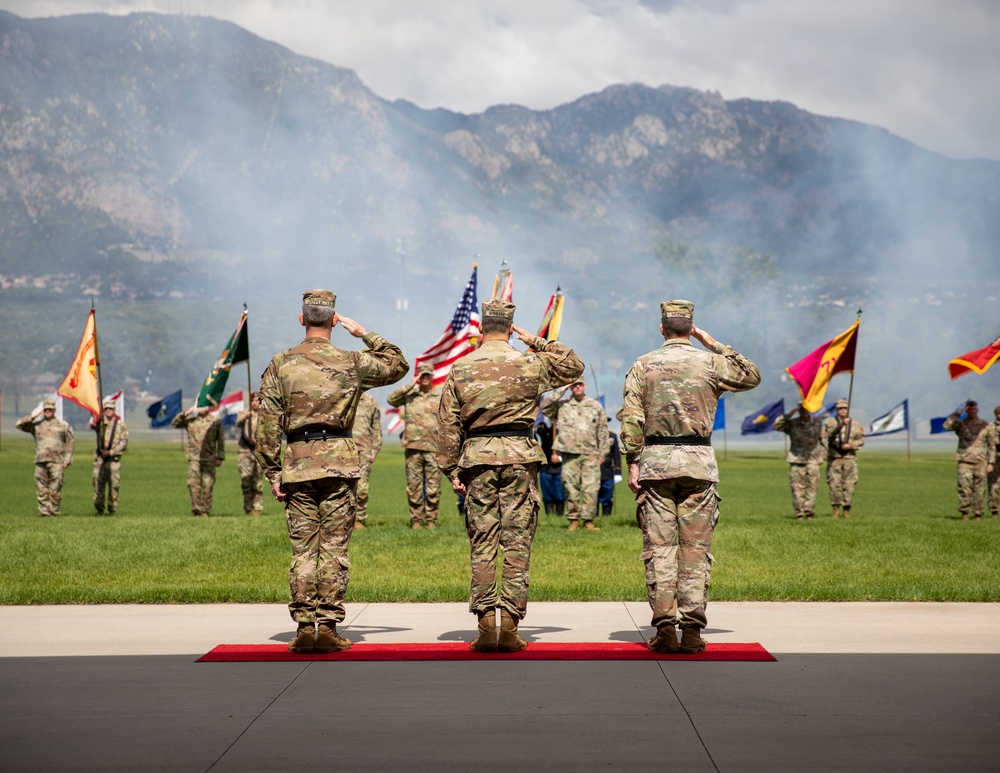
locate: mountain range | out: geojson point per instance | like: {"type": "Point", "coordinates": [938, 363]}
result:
{"type": "Point", "coordinates": [158, 157]}
{"type": "Point", "coordinates": [138, 149]}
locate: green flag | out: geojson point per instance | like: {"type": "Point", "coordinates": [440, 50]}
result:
{"type": "Point", "coordinates": [237, 350]}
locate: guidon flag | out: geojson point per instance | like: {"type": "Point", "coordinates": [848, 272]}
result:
{"type": "Point", "coordinates": [813, 372]}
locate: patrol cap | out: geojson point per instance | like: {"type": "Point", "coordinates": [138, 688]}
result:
{"type": "Point", "coordinates": [108, 402]}
{"type": "Point", "coordinates": [683, 309]}
{"type": "Point", "coordinates": [425, 368]}
{"type": "Point", "coordinates": [841, 403]}
{"type": "Point", "coordinates": [499, 309]}
{"type": "Point", "coordinates": [50, 404]}
{"type": "Point", "coordinates": [971, 403]}
{"type": "Point", "coordinates": [319, 298]}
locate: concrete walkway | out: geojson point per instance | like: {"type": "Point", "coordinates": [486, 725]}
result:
{"type": "Point", "coordinates": [879, 686]}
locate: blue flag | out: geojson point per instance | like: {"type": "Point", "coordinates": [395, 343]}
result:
{"type": "Point", "coordinates": [763, 420]}
{"type": "Point", "coordinates": [162, 412]}
{"type": "Point", "coordinates": [720, 416]}
{"type": "Point", "coordinates": [937, 423]}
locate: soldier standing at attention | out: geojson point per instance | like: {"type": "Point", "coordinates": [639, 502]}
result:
{"type": "Point", "coordinates": [844, 437]}
{"type": "Point", "coordinates": [250, 475]}
{"type": "Point", "coordinates": [112, 440]}
{"type": "Point", "coordinates": [312, 391]}
{"type": "Point", "coordinates": [807, 448]}
{"type": "Point", "coordinates": [53, 454]}
{"type": "Point", "coordinates": [419, 409]}
{"type": "Point", "coordinates": [582, 442]}
{"type": "Point", "coordinates": [670, 399]}
{"type": "Point", "coordinates": [993, 479]}
{"type": "Point", "coordinates": [976, 456]}
{"type": "Point", "coordinates": [206, 450]}
{"type": "Point", "coordinates": [489, 454]}
{"type": "Point", "coordinates": [368, 439]}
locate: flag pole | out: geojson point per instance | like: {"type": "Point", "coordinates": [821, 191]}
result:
{"type": "Point", "coordinates": [249, 381]}
{"type": "Point", "coordinates": [850, 388]}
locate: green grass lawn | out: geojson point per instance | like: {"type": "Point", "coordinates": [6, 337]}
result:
{"type": "Point", "coordinates": [905, 541]}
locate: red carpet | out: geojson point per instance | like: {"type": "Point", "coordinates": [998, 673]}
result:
{"type": "Point", "coordinates": [258, 653]}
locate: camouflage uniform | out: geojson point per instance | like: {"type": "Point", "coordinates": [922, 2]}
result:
{"type": "Point", "coordinates": [977, 448]}
{"type": "Point", "coordinates": [582, 440]}
{"type": "Point", "coordinates": [842, 464]}
{"type": "Point", "coordinates": [495, 389]}
{"type": "Point", "coordinates": [250, 475]}
{"type": "Point", "coordinates": [419, 410]}
{"type": "Point", "coordinates": [368, 439]}
{"type": "Point", "coordinates": [993, 478]}
{"type": "Point", "coordinates": [807, 439]}
{"type": "Point", "coordinates": [53, 454]}
{"type": "Point", "coordinates": [206, 448]}
{"type": "Point", "coordinates": [316, 386]}
{"type": "Point", "coordinates": [112, 440]}
{"type": "Point", "coordinates": [669, 403]}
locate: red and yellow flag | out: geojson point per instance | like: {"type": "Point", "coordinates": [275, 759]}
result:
{"type": "Point", "coordinates": [552, 319]}
{"type": "Point", "coordinates": [979, 360]}
{"type": "Point", "coordinates": [813, 373]}
{"type": "Point", "coordinates": [80, 384]}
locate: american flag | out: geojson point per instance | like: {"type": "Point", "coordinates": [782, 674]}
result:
{"type": "Point", "coordinates": [395, 420]}
{"type": "Point", "coordinates": [459, 338]}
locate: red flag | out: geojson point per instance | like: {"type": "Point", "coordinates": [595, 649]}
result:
{"type": "Point", "coordinates": [459, 338]}
{"type": "Point", "coordinates": [813, 373]}
{"type": "Point", "coordinates": [979, 360]}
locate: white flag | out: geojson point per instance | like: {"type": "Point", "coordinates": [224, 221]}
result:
{"type": "Point", "coordinates": [896, 420]}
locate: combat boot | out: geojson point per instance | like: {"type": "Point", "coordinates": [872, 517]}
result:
{"type": "Point", "coordinates": [416, 525]}
{"type": "Point", "coordinates": [359, 525]}
{"type": "Point", "coordinates": [487, 639]}
{"type": "Point", "coordinates": [305, 639]}
{"type": "Point", "coordinates": [509, 640]}
{"type": "Point", "coordinates": [836, 511]}
{"type": "Point", "coordinates": [573, 526]}
{"type": "Point", "coordinates": [589, 526]}
{"type": "Point", "coordinates": [430, 525]}
{"type": "Point", "coordinates": [847, 512]}
{"type": "Point", "coordinates": [691, 641]}
{"type": "Point", "coordinates": [665, 640]}
{"type": "Point", "coordinates": [328, 640]}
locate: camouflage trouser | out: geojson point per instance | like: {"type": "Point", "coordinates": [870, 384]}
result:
{"type": "Point", "coordinates": [423, 485]}
{"type": "Point", "coordinates": [201, 481]}
{"type": "Point", "coordinates": [677, 518]}
{"type": "Point", "coordinates": [250, 480]}
{"type": "Point", "coordinates": [971, 488]}
{"type": "Point", "coordinates": [581, 477]}
{"type": "Point", "coordinates": [501, 512]}
{"type": "Point", "coordinates": [107, 477]}
{"type": "Point", "coordinates": [842, 477]}
{"type": "Point", "coordinates": [993, 483]}
{"type": "Point", "coordinates": [363, 488]}
{"type": "Point", "coordinates": [320, 515]}
{"type": "Point", "coordinates": [805, 480]}
{"type": "Point", "coordinates": [48, 486]}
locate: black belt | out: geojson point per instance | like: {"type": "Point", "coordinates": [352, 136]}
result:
{"type": "Point", "coordinates": [501, 430]}
{"type": "Point", "coordinates": [317, 433]}
{"type": "Point", "coordinates": [686, 440]}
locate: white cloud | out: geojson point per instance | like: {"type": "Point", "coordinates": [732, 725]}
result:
{"type": "Point", "coordinates": [924, 69]}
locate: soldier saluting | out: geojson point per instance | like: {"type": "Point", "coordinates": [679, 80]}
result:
{"type": "Point", "coordinates": [670, 399]}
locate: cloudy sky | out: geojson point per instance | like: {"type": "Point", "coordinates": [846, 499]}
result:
{"type": "Point", "coordinates": [927, 70]}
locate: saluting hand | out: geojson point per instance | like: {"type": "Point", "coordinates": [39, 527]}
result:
{"type": "Point", "coordinates": [704, 337]}
{"type": "Point", "coordinates": [352, 327]}
{"type": "Point", "coordinates": [523, 335]}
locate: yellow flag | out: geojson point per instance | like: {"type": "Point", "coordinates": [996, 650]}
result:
{"type": "Point", "coordinates": [80, 384]}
